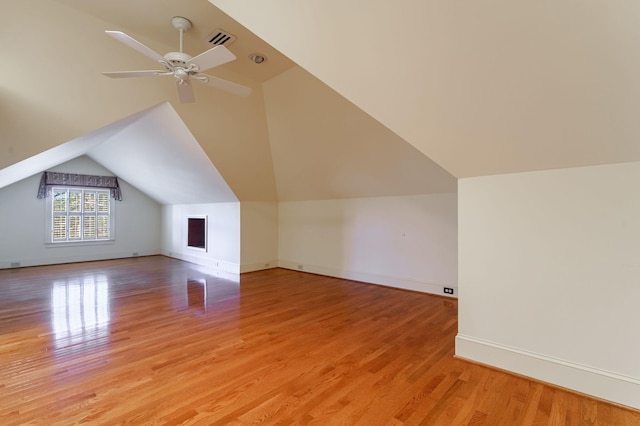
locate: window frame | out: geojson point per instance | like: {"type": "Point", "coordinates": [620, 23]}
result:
{"type": "Point", "coordinates": [205, 237]}
{"type": "Point", "coordinates": [98, 200]}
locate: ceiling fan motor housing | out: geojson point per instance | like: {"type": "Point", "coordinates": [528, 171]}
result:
{"type": "Point", "coordinates": [177, 58]}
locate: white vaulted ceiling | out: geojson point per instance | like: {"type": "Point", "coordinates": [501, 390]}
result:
{"type": "Point", "coordinates": [479, 87]}
{"type": "Point", "coordinates": [294, 138]}
{"type": "Point", "coordinates": [152, 150]}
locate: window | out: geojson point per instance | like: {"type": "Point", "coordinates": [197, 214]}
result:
{"type": "Point", "coordinates": [80, 215]}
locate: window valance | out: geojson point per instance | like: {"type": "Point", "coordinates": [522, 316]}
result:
{"type": "Point", "coordinates": [50, 179]}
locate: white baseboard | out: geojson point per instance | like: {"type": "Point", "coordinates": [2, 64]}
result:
{"type": "Point", "coordinates": [396, 282]}
{"type": "Point", "coordinates": [217, 264]}
{"type": "Point", "coordinates": [87, 257]}
{"type": "Point", "coordinates": [258, 266]}
{"type": "Point", "coordinates": [602, 384]}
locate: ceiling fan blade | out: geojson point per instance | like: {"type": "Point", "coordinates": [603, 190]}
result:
{"type": "Point", "coordinates": [135, 44]}
{"type": "Point", "coordinates": [227, 86]}
{"type": "Point", "coordinates": [212, 58]}
{"type": "Point", "coordinates": [185, 92]}
{"type": "Point", "coordinates": [125, 74]}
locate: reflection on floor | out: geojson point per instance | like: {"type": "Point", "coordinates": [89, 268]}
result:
{"type": "Point", "coordinates": [80, 308]}
{"type": "Point", "coordinates": [197, 294]}
{"type": "Point", "coordinates": [204, 293]}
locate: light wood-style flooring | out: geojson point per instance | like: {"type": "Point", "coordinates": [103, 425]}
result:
{"type": "Point", "coordinates": [154, 340]}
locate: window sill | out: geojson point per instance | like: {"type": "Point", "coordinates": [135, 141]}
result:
{"type": "Point", "coordinates": [78, 243]}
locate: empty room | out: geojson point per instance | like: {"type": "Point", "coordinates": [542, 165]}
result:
{"type": "Point", "coordinates": [374, 213]}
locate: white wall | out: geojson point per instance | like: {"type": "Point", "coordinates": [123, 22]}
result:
{"type": "Point", "coordinates": [550, 276]}
{"type": "Point", "coordinates": [23, 223]}
{"type": "Point", "coordinates": [407, 242]}
{"type": "Point", "coordinates": [259, 235]}
{"type": "Point", "coordinates": [223, 235]}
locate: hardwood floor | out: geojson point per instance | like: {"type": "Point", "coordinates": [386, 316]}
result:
{"type": "Point", "coordinates": [158, 341]}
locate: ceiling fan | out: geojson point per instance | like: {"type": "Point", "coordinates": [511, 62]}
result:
{"type": "Point", "coordinates": [182, 66]}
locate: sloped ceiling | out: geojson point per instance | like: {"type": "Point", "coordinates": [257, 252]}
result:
{"type": "Point", "coordinates": [59, 94]}
{"type": "Point", "coordinates": [151, 20]}
{"type": "Point", "coordinates": [480, 87]}
{"type": "Point", "coordinates": [59, 103]}
{"type": "Point", "coordinates": [174, 170]}
{"type": "Point", "coordinates": [324, 147]}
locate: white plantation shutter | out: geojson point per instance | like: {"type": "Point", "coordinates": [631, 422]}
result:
{"type": "Point", "coordinates": [75, 200]}
{"type": "Point", "coordinates": [59, 228]}
{"type": "Point", "coordinates": [103, 227]}
{"type": "Point", "coordinates": [59, 200]}
{"type": "Point", "coordinates": [89, 228]}
{"type": "Point", "coordinates": [80, 214]}
{"type": "Point", "coordinates": [103, 202]}
{"type": "Point", "coordinates": [75, 227]}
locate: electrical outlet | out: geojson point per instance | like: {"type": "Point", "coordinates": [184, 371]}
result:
{"type": "Point", "coordinates": [300, 267]}
{"type": "Point", "coordinates": [15, 264]}
{"type": "Point", "coordinates": [448, 290]}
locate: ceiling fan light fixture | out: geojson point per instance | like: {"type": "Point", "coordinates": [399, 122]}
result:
{"type": "Point", "coordinates": [257, 58]}
{"type": "Point", "coordinates": [181, 74]}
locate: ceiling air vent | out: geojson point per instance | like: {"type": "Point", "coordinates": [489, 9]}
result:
{"type": "Point", "coordinates": [219, 37]}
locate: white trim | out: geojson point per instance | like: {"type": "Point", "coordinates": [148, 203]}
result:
{"type": "Point", "coordinates": [54, 260]}
{"type": "Point", "coordinates": [396, 282]}
{"type": "Point", "coordinates": [217, 264]}
{"type": "Point", "coordinates": [206, 232]}
{"type": "Point", "coordinates": [607, 385]}
{"type": "Point", "coordinates": [259, 266]}
{"type": "Point", "coordinates": [78, 243]}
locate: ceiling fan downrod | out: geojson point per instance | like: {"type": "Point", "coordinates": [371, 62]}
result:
{"type": "Point", "coordinates": [181, 24]}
